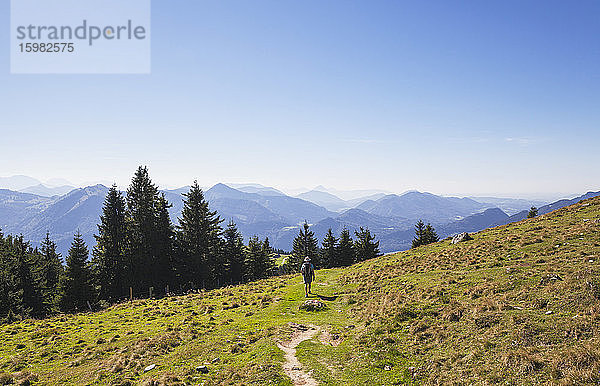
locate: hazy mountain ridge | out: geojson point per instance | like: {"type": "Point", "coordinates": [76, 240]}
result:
{"type": "Point", "coordinates": [325, 199]}
{"type": "Point", "coordinates": [17, 207]}
{"type": "Point", "coordinates": [510, 206]}
{"type": "Point", "coordinates": [291, 209]}
{"type": "Point", "coordinates": [25, 184]}
{"type": "Point", "coordinates": [17, 183]}
{"type": "Point", "coordinates": [78, 210]}
{"type": "Point", "coordinates": [257, 188]}
{"type": "Point", "coordinates": [548, 208]}
{"type": "Point", "coordinates": [263, 213]}
{"type": "Point", "coordinates": [426, 206]}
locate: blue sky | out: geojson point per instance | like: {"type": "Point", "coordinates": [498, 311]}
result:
{"type": "Point", "coordinates": [451, 97]}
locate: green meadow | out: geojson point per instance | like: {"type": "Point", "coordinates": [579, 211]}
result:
{"type": "Point", "coordinates": [519, 304]}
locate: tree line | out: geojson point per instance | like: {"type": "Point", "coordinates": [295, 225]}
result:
{"type": "Point", "coordinates": [29, 277]}
{"type": "Point", "coordinates": [339, 251]}
{"type": "Point", "coordinates": [140, 252]}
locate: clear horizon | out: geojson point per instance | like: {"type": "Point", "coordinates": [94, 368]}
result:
{"type": "Point", "coordinates": [454, 99]}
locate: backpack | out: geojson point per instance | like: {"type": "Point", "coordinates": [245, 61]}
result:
{"type": "Point", "coordinates": [306, 269]}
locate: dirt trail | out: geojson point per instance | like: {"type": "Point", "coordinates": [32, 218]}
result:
{"type": "Point", "coordinates": [292, 366]}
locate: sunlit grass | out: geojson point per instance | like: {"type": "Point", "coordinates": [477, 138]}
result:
{"type": "Point", "coordinates": [519, 304]}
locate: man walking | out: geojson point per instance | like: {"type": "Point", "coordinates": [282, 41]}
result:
{"type": "Point", "coordinates": [308, 273]}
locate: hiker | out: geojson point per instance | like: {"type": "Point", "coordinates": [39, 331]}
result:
{"type": "Point", "coordinates": [308, 272]}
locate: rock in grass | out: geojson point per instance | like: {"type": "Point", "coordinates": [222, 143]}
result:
{"type": "Point", "coordinates": [297, 326]}
{"type": "Point", "coordinates": [202, 369]}
{"type": "Point", "coordinates": [151, 367]}
{"type": "Point", "coordinates": [459, 238]}
{"type": "Point", "coordinates": [312, 305]}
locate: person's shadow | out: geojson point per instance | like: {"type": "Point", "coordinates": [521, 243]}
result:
{"type": "Point", "coordinates": [326, 298]}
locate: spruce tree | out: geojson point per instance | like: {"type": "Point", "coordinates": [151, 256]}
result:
{"type": "Point", "coordinates": [198, 241]}
{"type": "Point", "coordinates": [329, 251]}
{"type": "Point", "coordinates": [305, 245]}
{"type": "Point", "coordinates": [267, 263]}
{"type": "Point", "coordinates": [419, 238]}
{"type": "Point", "coordinates": [365, 245]}
{"type": "Point", "coordinates": [430, 235]}
{"type": "Point", "coordinates": [149, 235]}
{"type": "Point", "coordinates": [77, 285]}
{"type": "Point", "coordinates": [163, 245]}
{"type": "Point", "coordinates": [424, 234]}
{"type": "Point", "coordinates": [110, 264]}
{"type": "Point", "coordinates": [50, 270]}
{"type": "Point", "coordinates": [258, 262]}
{"type": "Point", "coordinates": [252, 262]}
{"type": "Point", "coordinates": [27, 278]}
{"type": "Point", "coordinates": [533, 212]}
{"type": "Point", "coordinates": [346, 255]}
{"type": "Point", "coordinates": [142, 196]}
{"type": "Point", "coordinates": [27, 263]}
{"type": "Point", "coordinates": [233, 254]}
{"type": "Point", "coordinates": [11, 292]}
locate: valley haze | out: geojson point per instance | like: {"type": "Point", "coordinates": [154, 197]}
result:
{"type": "Point", "coordinates": [32, 208]}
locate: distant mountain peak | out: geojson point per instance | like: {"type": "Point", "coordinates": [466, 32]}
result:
{"type": "Point", "coordinates": [324, 199]}
{"type": "Point", "coordinates": [222, 187]}
{"type": "Point", "coordinates": [257, 188]}
{"type": "Point", "coordinates": [91, 190]}
{"type": "Point", "coordinates": [18, 182]}
{"type": "Point", "coordinates": [46, 191]}
{"type": "Point", "coordinates": [410, 191]}
{"type": "Point", "coordinates": [417, 193]}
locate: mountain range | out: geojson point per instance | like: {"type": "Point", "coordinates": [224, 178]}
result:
{"type": "Point", "coordinates": [26, 184]}
{"type": "Point", "coordinates": [268, 212]}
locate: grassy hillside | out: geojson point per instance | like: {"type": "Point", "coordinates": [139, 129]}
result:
{"type": "Point", "coordinates": [519, 304]}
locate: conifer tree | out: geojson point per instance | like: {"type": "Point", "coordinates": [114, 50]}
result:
{"type": "Point", "coordinates": [233, 254]}
{"type": "Point", "coordinates": [533, 212]}
{"type": "Point", "coordinates": [419, 234]}
{"type": "Point", "coordinates": [430, 235]}
{"type": "Point", "coordinates": [267, 246]}
{"type": "Point", "coordinates": [329, 251]}
{"type": "Point", "coordinates": [110, 264]}
{"type": "Point", "coordinates": [198, 240]}
{"type": "Point", "coordinates": [252, 260]}
{"type": "Point", "coordinates": [11, 292]}
{"type": "Point", "coordinates": [77, 285]}
{"type": "Point", "coordinates": [267, 262]}
{"type": "Point", "coordinates": [305, 245]}
{"type": "Point", "coordinates": [28, 277]}
{"type": "Point", "coordinates": [365, 245]}
{"type": "Point", "coordinates": [149, 235]}
{"type": "Point", "coordinates": [258, 263]}
{"type": "Point", "coordinates": [163, 245]}
{"type": "Point", "coordinates": [142, 196]}
{"type": "Point", "coordinates": [424, 234]}
{"type": "Point", "coordinates": [50, 270]}
{"type": "Point", "coordinates": [346, 255]}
